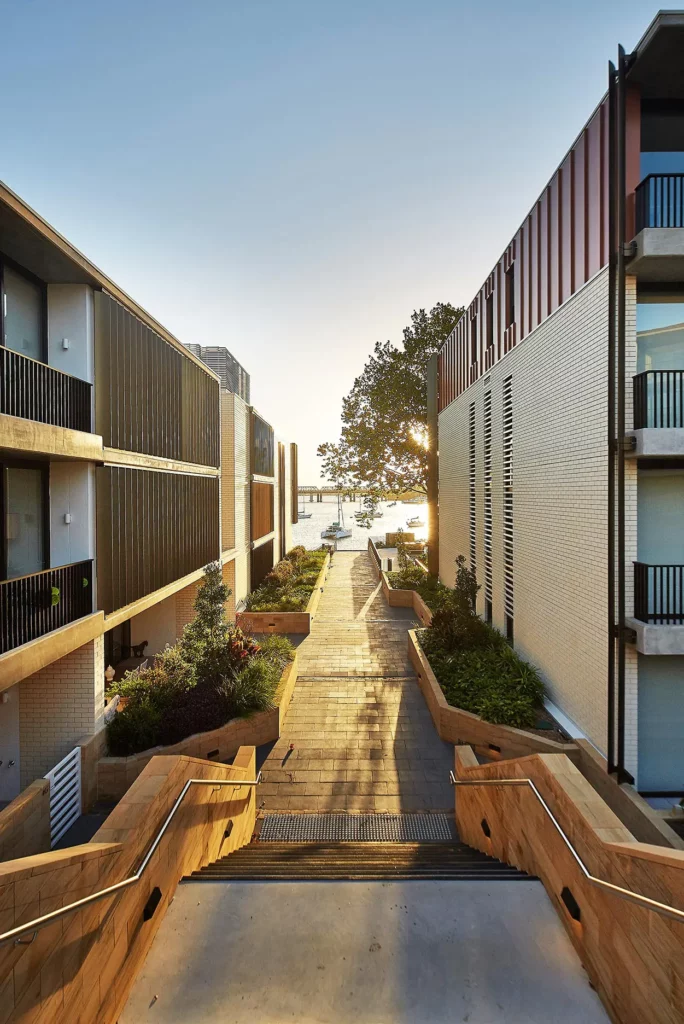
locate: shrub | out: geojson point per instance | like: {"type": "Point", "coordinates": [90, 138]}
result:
{"type": "Point", "coordinates": [474, 665]}
{"type": "Point", "coordinates": [215, 673]}
{"type": "Point", "coordinates": [290, 583]}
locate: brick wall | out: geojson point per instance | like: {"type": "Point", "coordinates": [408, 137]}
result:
{"type": "Point", "coordinates": [185, 612]}
{"type": "Point", "coordinates": [559, 387]}
{"type": "Point", "coordinates": [59, 705]}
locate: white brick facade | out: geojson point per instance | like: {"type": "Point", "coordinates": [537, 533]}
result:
{"type": "Point", "coordinates": [59, 705]}
{"type": "Point", "coordinates": [560, 489]}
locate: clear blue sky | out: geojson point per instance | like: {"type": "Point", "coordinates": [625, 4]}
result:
{"type": "Point", "coordinates": [291, 178]}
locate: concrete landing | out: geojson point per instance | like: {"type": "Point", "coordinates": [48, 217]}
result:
{"type": "Point", "coordinates": [368, 952]}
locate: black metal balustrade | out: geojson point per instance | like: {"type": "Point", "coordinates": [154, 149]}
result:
{"type": "Point", "coordinates": [660, 202]}
{"type": "Point", "coordinates": [659, 398]}
{"type": "Point", "coordinates": [31, 606]}
{"type": "Point", "coordinates": [35, 391]}
{"type": "Point", "coordinates": [659, 594]}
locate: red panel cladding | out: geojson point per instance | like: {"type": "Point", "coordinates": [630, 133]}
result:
{"type": "Point", "coordinates": [579, 212]}
{"type": "Point", "coordinates": [632, 154]}
{"type": "Point", "coordinates": [533, 317]}
{"type": "Point", "coordinates": [605, 183]}
{"type": "Point", "coordinates": [521, 280]}
{"type": "Point", "coordinates": [544, 256]}
{"type": "Point", "coordinates": [566, 230]}
{"type": "Point", "coordinates": [593, 191]}
{"type": "Point", "coordinates": [554, 242]}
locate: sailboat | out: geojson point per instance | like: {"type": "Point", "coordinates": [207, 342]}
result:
{"type": "Point", "coordinates": [302, 514]}
{"type": "Point", "coordinates": [337, 530]}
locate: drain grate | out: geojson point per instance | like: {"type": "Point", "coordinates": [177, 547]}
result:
{"type": "Point", "coordinates": [357, 828]}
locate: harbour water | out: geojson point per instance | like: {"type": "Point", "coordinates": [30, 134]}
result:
{"type": "Point", "coordinates": [308, 531]}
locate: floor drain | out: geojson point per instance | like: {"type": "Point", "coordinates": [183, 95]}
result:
{"type": "Point", "coordinates": [357, 828]}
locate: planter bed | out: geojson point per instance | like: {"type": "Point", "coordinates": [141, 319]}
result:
{"type": "Point", "coordinates": [459, 727]}
{"type": "Point", "coordinates": [116, 774]}
{"type": "Point", "coordinates": [405, 599]}
{"type": "Point", "coordinates": [285, 622]}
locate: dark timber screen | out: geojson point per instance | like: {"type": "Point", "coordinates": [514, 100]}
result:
{"type": "Point", "coordinates": [149, 396]}
{"type": "Point", "coordinates": [152, 529]}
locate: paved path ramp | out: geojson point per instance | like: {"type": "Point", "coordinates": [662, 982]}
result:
{"type": "Point", "coordinates": [368, 952]}
{"type": "Point", "coordinates": [363, 737]}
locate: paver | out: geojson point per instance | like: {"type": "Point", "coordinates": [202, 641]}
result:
{"type": "Point", "coordinates": [363, 736]}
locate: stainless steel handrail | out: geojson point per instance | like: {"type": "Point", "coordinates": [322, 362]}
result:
{"type": "Point", "coordinates": [112, 890]}
{"type": "Point", "coordinates": [616, 890]}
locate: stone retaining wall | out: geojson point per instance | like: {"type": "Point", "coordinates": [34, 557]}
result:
{"type": "Point", "coordinates": [116, 774]}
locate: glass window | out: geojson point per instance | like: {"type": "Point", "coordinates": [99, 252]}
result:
{"type": "Point", "coordinates": [24, 520]}
{"type": "Point", "coordinates": [660, 332]}
{"type": "Point", "coordinates": [22, 307]}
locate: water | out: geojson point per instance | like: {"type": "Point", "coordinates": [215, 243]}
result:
{"type": "Point", "coordinates": [308, 531]}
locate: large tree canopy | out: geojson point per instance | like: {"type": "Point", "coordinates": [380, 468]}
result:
{"type": "Point", "coordinates": [384, 416]}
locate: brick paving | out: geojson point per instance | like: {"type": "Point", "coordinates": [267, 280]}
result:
{"type": "Point", "coordinates": [363, 736]}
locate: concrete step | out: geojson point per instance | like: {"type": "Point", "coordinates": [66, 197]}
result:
{"type": "Point", "coordinates": [356, 861]}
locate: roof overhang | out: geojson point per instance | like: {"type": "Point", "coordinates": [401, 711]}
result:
{"type": "Point", "coordinates": [657, 65]}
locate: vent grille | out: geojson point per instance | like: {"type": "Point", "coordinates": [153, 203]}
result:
{"type": "Point", "coordinates": [471, 484]}
{"type": "Point", "coordinates": [488, 518]}
{"type": "Point", "coordinates": [508, 495]}
{"type": "Point", "coordinates": [357, 828]}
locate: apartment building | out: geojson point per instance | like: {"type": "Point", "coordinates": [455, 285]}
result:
{"type": "Point", "coordinates": [560, 407]}
{"type": "Point", "coordinates": [125, 467]}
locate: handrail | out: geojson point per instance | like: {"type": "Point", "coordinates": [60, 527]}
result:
{"type": "Point", "coordinates": [616, 890]}
{"type": "Point", "coordinates": [111, 890]}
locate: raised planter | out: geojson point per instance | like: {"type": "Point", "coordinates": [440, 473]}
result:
{"type": "Point", "coordinates": [496, 742]}
{"type": "Point", "coordinates": [285, 622]}
{"type": "Point", "coordinates": [405, 599]}
{"type": "Point", "coordinates": [116, 774]}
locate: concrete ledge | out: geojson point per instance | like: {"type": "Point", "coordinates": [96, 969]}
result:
{"type": "Point", "coordinates": [286, 622]}
{"type": "Point", "coordinates": [139, 460]}
{"type": "Point", "coordinates": [20, 435]}
{"type": "Point", "coordinates": [23, 661]}
{"type": "Point", "coordinates": [652, 639]}
{"type": "Point", "coordinates": [659, 255]}
{"type": "Point", "coordinates": [462, 727]}
{"type": "Point", "coordinates": [116, 774]}
{"type": "Point", "coordinates": [658, 442]}
{"type": "Point", "coordinates": [25, 822]}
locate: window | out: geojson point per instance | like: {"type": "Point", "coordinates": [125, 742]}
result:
{"type": "Point", "coordinates": [22, 312]}
{"type": "Point", "coordinates": [24, 507]}
{"type": "Point", "coordinates": [660, 329]}
{"type": "Point", "coordinates": [473, 340]}
{"type": "Point", "coordinates": [490, 321]}
{"type": "Point", "coordinates": [509, 297]}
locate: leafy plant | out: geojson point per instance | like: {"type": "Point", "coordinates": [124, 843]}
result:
{"type": "Point", "coordinates": [290, 583]}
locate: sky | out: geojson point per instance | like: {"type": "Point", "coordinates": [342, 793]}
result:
{"type": "Point", "coordinates": [291, 178]}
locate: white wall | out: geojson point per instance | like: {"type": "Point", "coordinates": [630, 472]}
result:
{"type": "Point", "coordinates": [72, 492]}
{"type": "Point", "coordinates": [157, 625]}
{"type": "Point", "coordinates": [71, 316]}
{"type": "Point", "coordinates": [9, 744]}
{"type": "Point", "coordinates": [559, 386]}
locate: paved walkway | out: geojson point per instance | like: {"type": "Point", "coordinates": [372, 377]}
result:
{"type": "Point", "coordinates": [368, 952]}
{"type": "Point", "coordinates": [363, 736]}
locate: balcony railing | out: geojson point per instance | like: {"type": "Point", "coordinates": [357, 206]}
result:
{"type": "Point", "coordinates": [35, 391]}
{"type": "Point", "coordinates": [659, 399]}
{"type": "Point", "coordinates": [31, 606]}
{"type": "Point", "coordinates": [660, 202]}
{"type": "Point", "coordinates": [659, 594]}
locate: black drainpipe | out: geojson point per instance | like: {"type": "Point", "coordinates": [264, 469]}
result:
{"type": "Point", "coordinates": [612, 145]}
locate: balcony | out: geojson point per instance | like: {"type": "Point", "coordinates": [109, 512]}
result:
{"type": "Point", "coordinates": [35, 391]}
{"type": "Point", "coordinates": [658, 608]}
{"type": "Point", "coordinates": [31, 606]}
{"type": "Point", "coordinates": [659, 225]}
{"type": "Point", "coordinates": [659, 413]}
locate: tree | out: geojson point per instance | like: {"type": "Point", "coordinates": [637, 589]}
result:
{"type": "Point", "coordinates": [383, 443]}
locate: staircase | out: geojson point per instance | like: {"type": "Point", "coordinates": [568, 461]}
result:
{"type": "Point", "coordinates": [349, 861]}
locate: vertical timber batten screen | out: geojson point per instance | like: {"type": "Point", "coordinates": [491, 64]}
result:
{"type": "Point", "coordinates": [152, 528]}
{"type": "Point", "coordinates": [263, 447]}
{"type": "Point", "coordinates": [149, 397]}
{"type": "Point", "coordinates": [294, 482]}
{"type": "Point", "coordinates": [262, 511]}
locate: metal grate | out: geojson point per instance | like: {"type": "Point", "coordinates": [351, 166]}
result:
{"type": "Point", "coordinates": [357, 828]}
